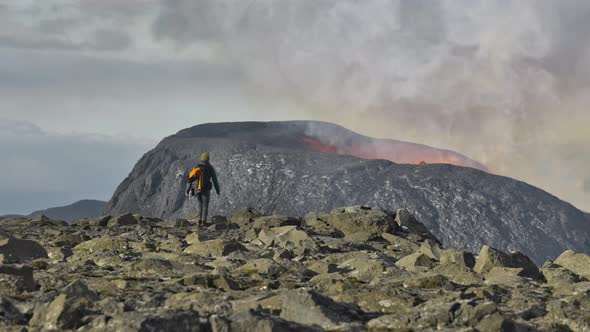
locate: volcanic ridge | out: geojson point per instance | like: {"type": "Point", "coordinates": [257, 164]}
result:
{"type": "Point", "coordinates": [296, 167]}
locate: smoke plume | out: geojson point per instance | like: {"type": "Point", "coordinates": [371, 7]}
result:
{"type": "Point", "coordinates": [503, 82]}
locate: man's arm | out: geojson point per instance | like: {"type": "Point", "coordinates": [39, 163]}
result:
{"type": "Point", "coordinates": [215, 181]}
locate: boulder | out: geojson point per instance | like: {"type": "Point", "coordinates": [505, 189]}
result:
{"type": "Point", "coordinates": [429, 281]}
{"type": "Point", "coordinates": [406, 221]}
{"type": "Point", "coordinates": [321, 267]}
{"type": "Point", "coordinates": [127, 219]}
{"type": "Point", "coordinates": [497, 322]}
{"type": "Point", "coordinates": [194, 237]}
{"type": "Point", "coordinates": [214, 248]}
{"type": "Point", "coordinates": [152, 267]}
{"type": "Point", "coordinates": [507, 276]}
{"type": "Point", "coordinates": [392, 322]}
{"type": "Point", "coordinates": [251, 320]}
{"type": "Point", "coordinates": [431, 249]}
{"type": "Point", "coordinates": [58, 254]}
{"type": "Point", "coordinates": [489, 258]}
{"type": "Point", "coordinates": [274, 221]}
{"type": "Point", "coordinates": [416, 262]}
{"type": "Point", "coordinates": [101, 221]}
{"type": "Point", "coordinates": [530, 269]}
{"type": "Point", "coordinates": [70, 240]}
{"type": "Point", "coordinates": [351, 220]}
{"type": "Point", "coordinates": [16, 279]}
{"type": "Point", "coordinates": [262, 266]}
{"type": "Point", "coordinates": [359, 237]}
{"type": "Point", "coordinates": [556, 274]}
{"type": "Point", "coordinates": [66, 310]}
{"type": "Point", "coordinates": [205, 301]}
{"type": "Point", "coordinates": [245, 217]}
{"type": "Point", "coordinates": [221, 280]}
{"type": "Point", "coordinates": [459, 274]}
{"type": "Point", "coordinates": [104, 244]}
{"type": "Point", "coordinates": [575, 262]}
{"type": "Point", "coordinates": [401, 243]}
{"type": "Point", "coordinates": [459, 257]}
{"type": "Point", "coordinates": [40, 218]}
{"type": "Point", "coordinates": [288, 237]}
{"type": "Point", "coordinates": [178, 223]}
{"type": "Point", "coordinates": [20, 251]}
{"type": "Point", "coordinates": [309, 308]}
{"type": "Point", "coordinates": [157, 320]}
{"type": "Point", "coordinates": [10, 314]}
{"type": "Point", "coordinates": [362, 269]}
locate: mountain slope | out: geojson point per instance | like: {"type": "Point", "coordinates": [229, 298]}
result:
{"type": "Point", "coordinates": [271, 167]}
{"type": "Point", "coordinates": [75, 211]}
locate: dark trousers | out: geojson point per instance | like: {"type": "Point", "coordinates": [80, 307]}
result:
{"type": "Point", "coordinates": [204, 197]}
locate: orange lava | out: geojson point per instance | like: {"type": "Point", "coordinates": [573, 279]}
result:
{"type": "Point", "coordinates": [397, 152]}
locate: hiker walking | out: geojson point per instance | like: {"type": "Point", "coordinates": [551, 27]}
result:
{"type": "Point", "coordinates": [199, 180]}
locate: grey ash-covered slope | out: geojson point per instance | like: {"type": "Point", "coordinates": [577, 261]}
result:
{"type": "Point", "coordinates": [269, 166]}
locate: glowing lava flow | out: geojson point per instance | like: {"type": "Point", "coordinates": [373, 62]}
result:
{"type": "Point", "coordinates": [395, 151]}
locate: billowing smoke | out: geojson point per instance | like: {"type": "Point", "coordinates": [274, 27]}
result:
{"type": "Point", "coordinates": [503, 82]}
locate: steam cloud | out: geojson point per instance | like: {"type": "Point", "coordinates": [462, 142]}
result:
{"type": "Point", "coordinates": [504, 82]}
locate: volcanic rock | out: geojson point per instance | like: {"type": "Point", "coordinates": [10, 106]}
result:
{"type": "Point", "coordinates": [250, 320]}
{"type": "Point", "coordinates": [19, 251]}
{"type": "Point", "coordinates": [15, 280]}
{"type": "Point", "coordinates": [431, 249]}
{"type": "Point", "coordinates": [288, 237]}
{"type": "Point", "coordinates": [123, 220]}
{"type": "Point", "coordinates": [290, 277]}
{"type": "Point", "coordinates": [155, 320]}
{"type": "Point", "coordinates": [556, 274]}
{"type": "Point", "coordinates": [459, 257]}
{"type": "Point", "coordinates": [575, 262]}
{"type": "Point", "coordinates": [416, 261]}
{"type": "Point", "coordinates": [350, 221]}
{"type": "Point", "coordinates": [10, 315]}
{"type": "Point", "coordinates": [408, 223]}
{"type": "Point", "coordinates": [66, 310]}
{"type": "Point", "coordinates": [213, 248]}
{"type": "Point", "coordinates": [490, 258]}
{"type": "Point", "coordinates": [313, 309]}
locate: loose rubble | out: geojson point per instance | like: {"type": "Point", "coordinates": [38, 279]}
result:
{"type": "Point", "coordinates": [351, 269]}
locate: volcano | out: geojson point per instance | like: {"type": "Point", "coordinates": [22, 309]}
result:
{"type": "Point", "coordinates": [296, 167]}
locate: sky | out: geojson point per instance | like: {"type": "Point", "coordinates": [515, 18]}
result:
{"type": "Point", "coordinates": [88, 86]}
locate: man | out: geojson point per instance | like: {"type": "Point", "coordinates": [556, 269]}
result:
{"type": "Point", "coordinates": [199, 180]}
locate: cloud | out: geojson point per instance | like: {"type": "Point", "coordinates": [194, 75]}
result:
{"type": "Point", "coordinates": [65, 25]}
{"type": "Point", "coordinates": [497, 80]}
{"type": "Point", "coordinates": [41, 169]}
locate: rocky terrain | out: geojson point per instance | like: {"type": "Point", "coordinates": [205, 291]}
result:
{"type": "Point", "coordinates": [352, 269]}
{"type": "Point", "coordinates": [273, 167]}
